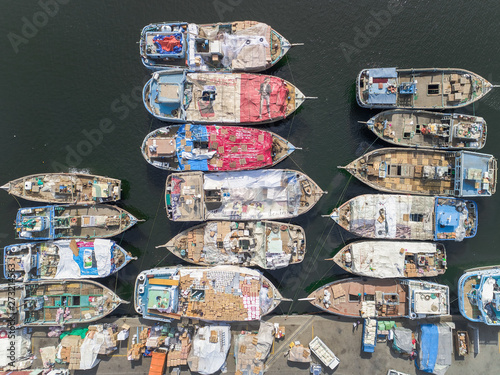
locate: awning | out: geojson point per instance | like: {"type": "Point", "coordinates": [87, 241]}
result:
{"type": "Point", "coordinates": [383, 73]}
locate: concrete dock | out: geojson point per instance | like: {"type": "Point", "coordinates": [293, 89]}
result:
{"type": "Point", "coordinates": [339, 334]}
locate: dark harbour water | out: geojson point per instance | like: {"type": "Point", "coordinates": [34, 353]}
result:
{"type": "Point", "coordinates": [70, 98]}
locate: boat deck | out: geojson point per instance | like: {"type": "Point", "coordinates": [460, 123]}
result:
{"type": "Point", "coordinates": [249, 195]}
{"type": "Point", "coordinates": [407, 171]}
{"type": "Point", "coordinates": [85, 222]}
{"type": "Point", "coordinates": [385, 259]}
{"type": "Point", "coordinates": [430, 129]}
{"type": "Point", "coordinates": [223, 293]}
{"type": "Point", "coordinates": [211, 47]}
{"type": "Point", "coordinates": [470, 310]}
{"type": "Point", "coordinates": [67, 188]}
{"type": "Point", "coordinates": [51, 303]}
{"type": "Point", "coordinates": [269, 245]}
{"type": "Point", "coordinates": [359, 298]}
{"type": "Point", "coordinates": [214, 148]}
{"type": "Point", "coordinates": [435, 89]}
{"type": "Point", "coordinates": [419, 88]}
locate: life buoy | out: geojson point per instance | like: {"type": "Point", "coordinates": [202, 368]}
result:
{"type": "Point", "coordinates": [4, 334]}
{"type": "Point", "coordinates": [139, 309]}
{"type": "Point", "coordinates": [427, 297]}
{"type": "Point", "coordinates": [141, 277]}
{"type": "Point", "coordinates": [74, 220]}
{"type": "Point", "coordinates": [413, 315]}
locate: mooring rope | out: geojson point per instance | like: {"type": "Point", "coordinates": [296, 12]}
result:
{"type": "Point", "coordinates": [151, 231]}
{"type": "Point", "coordinates": [315, 253]}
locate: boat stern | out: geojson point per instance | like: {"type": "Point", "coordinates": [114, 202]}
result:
{"type": "Point", "coordinates": [455, 219]}
{"type": "Point", "coordinates": [140, 296]}
{"type": "Point", "coordinates": [146, 96]}
{"type": "Point", "coordinates": [153, 54]}
{"type": "Point", "coordinates": [468, 294]}
{"type": "Point", "coordinates": [360, 87]}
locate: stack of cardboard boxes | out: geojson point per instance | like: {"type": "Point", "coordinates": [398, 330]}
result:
{"type": "Point", "coordinates": [137, 349]}
{"type": "Point", "coordinates": [215, 306]}
{"type": "Point", "coordinates": [179, 357]}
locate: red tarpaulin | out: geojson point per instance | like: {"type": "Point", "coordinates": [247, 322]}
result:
{"type": "Point", "coordinates": [168, 43]}
{"type": "Point", "coordinates": [262, 98]}
{"type": "Point", "coordinates": [240, 148]}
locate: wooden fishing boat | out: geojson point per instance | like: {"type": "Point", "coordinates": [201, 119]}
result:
{"type": "Point", "coordinates": [425, 129]}
{"type": "Point", "coordinates": [382, 298]}
{"type": "Point", "coordinates": [222, 293]}
{"type": "Point", "coordinates": [214, 98]}
{"type": "Point", "coordinates": [427, 172]}
{"type": "Point", "coordinates": [479, 295]}
{"type": "Point", "coordinates": [426, 88]}
{"type": "Point", "coordinates": [250, 195]}
{"type": "Point", "coordinates": [213, 148]}
{"type": "Point", "coordinates": [83, 222]}
{"type": "Point", "coordinates": [266, 244]}
{"type": "Point", "coordinates": [64, 259]}
{"type": "Point", "coordinates": [241, 46]}
{"type": "Point", "coordinates": [386, 259]}
{"type": "Point", "coordinates": [55, 303]}
{"type": "Point", "coordinates": [408, 217]}
{"type": "Point", "coordinates": [72, 188]}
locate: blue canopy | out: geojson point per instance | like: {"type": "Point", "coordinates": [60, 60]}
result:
{"type": "Point", "coordinates": [383, 73]}
{"type": "Point", "coordinates": [379, 93]}
{"type": "Point", "coordinates": [381, 98]}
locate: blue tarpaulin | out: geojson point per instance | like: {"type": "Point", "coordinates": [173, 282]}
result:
{"type": "Point", "coordinates": [378, 92]}
{"type": "Point", "coordinates": [383, 73]}
{"type": "Point", "coordinates": [381, 98]}
{"type": "Point", "coordinates": [86, 261]}
{"type": "Point", "coordinates": [198, 133]}
{"type": "Point", "coordinates": [435, 348]}
{"type": "Point", "coordinates": [429, 341]}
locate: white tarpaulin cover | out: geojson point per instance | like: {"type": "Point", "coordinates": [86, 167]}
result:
{"type": "Point", "coordinates": [392, 216]}
{"type": "Point", "coordinates": [88, 350]}
{"type": "Point", "coordinates": [487, 292]}
{"type": "Point", "coordinates": [208, 357]}
{"type": "Point", "coordinates": [385, 259]}
{"type": "Point", "coordinates": [253, 195]}
{"type": "Point", "coordinates": [68, 268]}
{"type": "Point", "coordinates": [251, 361]}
